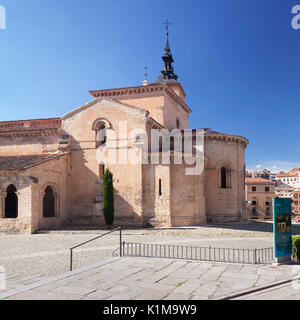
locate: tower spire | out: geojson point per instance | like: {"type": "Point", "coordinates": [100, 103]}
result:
{"type": "Point", "coordinates": [167, 72]}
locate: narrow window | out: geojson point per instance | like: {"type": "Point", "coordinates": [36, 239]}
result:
{"type": "Point", "coordinates": [49, 203]}
{"type": "Point", "coordinates": [267, 189]}
{"type": "Point", "coordinates": [223, 178]}
{"type": "Point", "coordinates": [101, 174]}
{"type": "Point", "coordinates": [11, 202]}
{"type": "Point", "coordinates": [159, 187]}
{"type": "Point", "coordinates": [101, 171]}
{"type": "Point", "coordinates": [253, 189]}
{"type": "Point", "coordinates": [177, 123]}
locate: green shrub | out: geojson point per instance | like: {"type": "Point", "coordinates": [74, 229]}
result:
{"type": "Point", "coordinates": [108, 198]}
{"type": "Point", "coordinates": [296, 247]}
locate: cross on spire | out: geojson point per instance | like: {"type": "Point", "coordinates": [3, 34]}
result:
{"type": "Point", "coordinates": [167, 24]}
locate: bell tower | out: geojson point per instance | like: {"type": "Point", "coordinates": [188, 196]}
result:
{"type": "Point", "coordinates": [167, 72]}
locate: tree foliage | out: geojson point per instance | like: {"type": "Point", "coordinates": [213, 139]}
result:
{"type": "Point", "coordinates": [108, 198]}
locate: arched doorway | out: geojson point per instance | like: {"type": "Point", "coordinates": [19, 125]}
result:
{"type": "Point", "coordinates": [49, 203]}
{"type": "Point", "coordinates": [11, 202]}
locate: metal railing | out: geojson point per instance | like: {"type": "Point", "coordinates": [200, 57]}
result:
{"type": "Point", "coordinates": [248, 256]}
{"type": "Point", "coordinates": [103, 235]}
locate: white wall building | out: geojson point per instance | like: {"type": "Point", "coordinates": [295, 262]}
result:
{"type": "Point", "coordinates": [284, 180]}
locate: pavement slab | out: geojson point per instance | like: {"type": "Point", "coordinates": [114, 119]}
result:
{"type": "Point", "coordinates": [28, 259]}
{"type": "Point", "coordinates": [174, 280]}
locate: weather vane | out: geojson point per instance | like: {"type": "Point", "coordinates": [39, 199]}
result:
{"type": "Point", "coordinates": [167, 24]}
{"type": "Point", "coordinates": [146, 73]}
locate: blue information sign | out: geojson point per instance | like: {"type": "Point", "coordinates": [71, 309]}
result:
{"type": "Point", "coordinates": [282, 227]}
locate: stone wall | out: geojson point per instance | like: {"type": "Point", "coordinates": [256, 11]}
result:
{"type": "Point", "coordinates": [162, 108]}
{"type": "Point", "coordinates": [84, 174]}
{"type": "Point", "coordinates": [188, 201]}
{"type": "Point", "coordinates": [29, 144]}
{"type": "Point", "coordinates": [225, 204]}
{"type": "Point", "coordinates": [31, 186]}
{"type": "Point", "coordinates": [52, 173]}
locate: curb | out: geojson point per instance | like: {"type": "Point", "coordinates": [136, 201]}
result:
{"type": "Point", "coordinates": [248, 292]}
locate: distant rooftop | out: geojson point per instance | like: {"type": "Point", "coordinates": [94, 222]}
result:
{"type": "Point", "coordinates": [259, 181]}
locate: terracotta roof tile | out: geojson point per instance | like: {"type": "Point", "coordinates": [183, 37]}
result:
{"type": "Point", "coordinates": [259, 181]}
{"type": "Point", "coordinates": [19, 163]}
{"type": "Point", "coordinates": [287, 175]}
{"type": "Point", "coordinates": [30, 125]}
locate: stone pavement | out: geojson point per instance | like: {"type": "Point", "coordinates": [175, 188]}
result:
{"type": "Point", "coordinates": [28, 259]}
{"type": "Point", "coordinates": [158, 279]}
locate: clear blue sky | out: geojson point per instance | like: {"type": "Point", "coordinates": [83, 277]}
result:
{"type": "Point", "coordinates": [238, 60]}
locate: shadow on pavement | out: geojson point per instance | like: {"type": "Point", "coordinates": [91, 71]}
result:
{"type": "Point", "coordinates": [259, 226]}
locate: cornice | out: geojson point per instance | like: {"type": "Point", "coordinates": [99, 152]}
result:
{"type": "Point", "coordinates": [226, 138]}
{"type": "Point", "coordinates": [149, 89]}
{"type": "Point", "coordinates": [33, 133]}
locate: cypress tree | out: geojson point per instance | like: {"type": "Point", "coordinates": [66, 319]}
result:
{"type": "Point", "coordinates": [108, 198]}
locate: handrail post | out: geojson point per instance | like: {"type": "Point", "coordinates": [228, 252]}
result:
{"type": "Point", "coordinates": [71, 259]}
{"type": "Point", "coordinates": [121, 253]}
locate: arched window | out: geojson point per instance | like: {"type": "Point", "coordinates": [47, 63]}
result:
{"type": "Point", "coordinates": [11, 202]}
{"type": "Point", "coordinates": [100, 126]}
{"type": "Point", "coordinates": [49, 203]}
{"type": "Point", "coordinates": [101, 136]}
{"type": "Point", "coordinates": [223, 177]}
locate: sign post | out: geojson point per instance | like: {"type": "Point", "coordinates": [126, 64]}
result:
{"type": "Point", "coordinates": [282, 229]}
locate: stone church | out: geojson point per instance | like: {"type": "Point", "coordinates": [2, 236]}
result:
{"type": "Point", "coordinates": [50, 174]}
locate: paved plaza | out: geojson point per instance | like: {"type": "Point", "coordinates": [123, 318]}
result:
{"type": "Point", "coordinates": [32, 259]}
{"type": "Point", "coordinates": [157, 279]}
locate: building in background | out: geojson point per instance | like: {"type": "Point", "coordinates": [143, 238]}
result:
{"type": "Point", "coordinates": [284, 192]}
{"type": "Point", "coordinates": [265, 174]}
{"type": "Point", "coordinates": [288, 179]}
{"type": "Point", "coordinates": [287, 185]}
{"type": "Point", "coordinates": [259, 195]}
{"type": "Point", "coordinates": [296, 202]}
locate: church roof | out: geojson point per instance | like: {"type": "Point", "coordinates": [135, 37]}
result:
{"type": "Point", "coordinates": [50, 124]}
{"type": "Point", "coordinates": [21, 162]}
